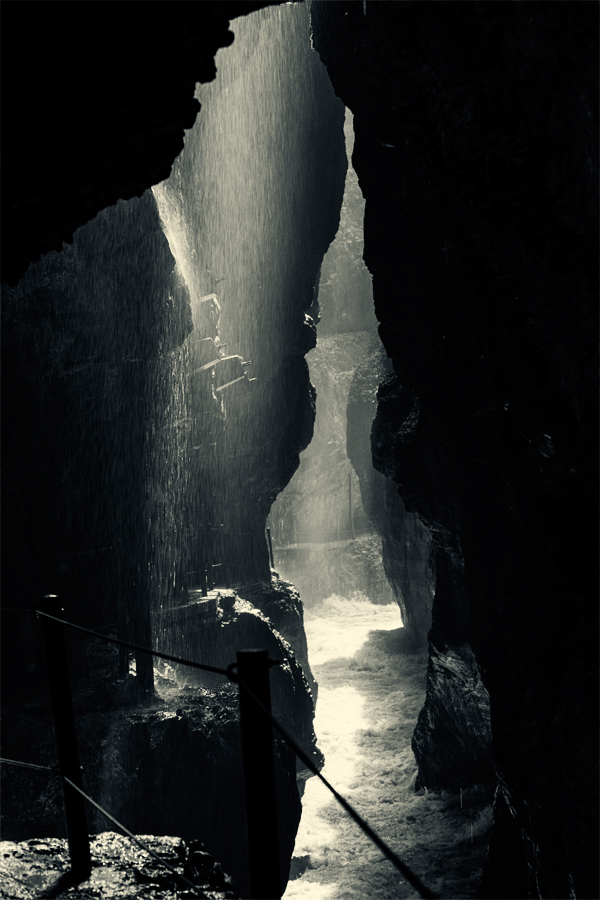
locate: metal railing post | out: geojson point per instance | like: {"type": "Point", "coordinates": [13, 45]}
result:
{"type": "Point", "coordinates": [259, 776]}
{"type": "Point", "coordinates": [66, 738]}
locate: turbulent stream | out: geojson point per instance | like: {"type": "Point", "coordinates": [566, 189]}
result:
{"type": "Point", "coordinates": [371, 689]}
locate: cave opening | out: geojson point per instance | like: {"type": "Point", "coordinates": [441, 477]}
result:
{"type": "Point", "coordinates": [438, 516]}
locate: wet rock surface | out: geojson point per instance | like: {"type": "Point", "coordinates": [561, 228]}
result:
{"type": "Point", "coordinates": [281, 603]}
{"type": "Point", "coordinates": [32, 869]}
{"type": "Point", "coordinates": [173, 765]}
{"type": "Point", "coordinates": [452, 739]}
{"type": "Point", "coordinates": [239, 624]}
{"type": "Point", "coordinates": [171, 762]}
{"type": "Point", "coordinates": [452, 742]}
{"type": "Point", "coordinates": [93, 405]}
{"type": "Point", "coordinates": [478, 163]}
{"type": "Point", "coordinates": [406, 543]}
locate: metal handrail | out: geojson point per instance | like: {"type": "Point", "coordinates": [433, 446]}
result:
{"type": "Point", "coordinates": [232, 675]}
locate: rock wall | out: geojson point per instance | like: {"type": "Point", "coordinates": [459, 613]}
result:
{"type": "Point", "coordinates": [322, 539]}
{"type": "Point", "coordinates": [406, 543]}
{"type": "Point", "coordinates": [173, 767]}
{"type": "Point", "coordinates": [476, 150]}
{"type": "Point", "coordinates": [452, 738]}
{"type": "Point", "coordinates": [100, 119]}
{"type": "Point", "coordinates": [133, 467]}
{"type": "Point", "coordinates": [129, 475]}
{"type": "Point", "coordinates": [280, 602]}
{"type": "Point", "coordinates": [211, 629]}
{"type": "Point", "coordinates": [93, 355]}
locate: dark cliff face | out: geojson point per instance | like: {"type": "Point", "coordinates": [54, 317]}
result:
{"type": "Point", "coordinates": [406, 543]}
{"type": "Point", "coordinates": [452, 739]}
{"type": "Point", "coordinates": [91, 340]}
{"type": "Point", "coordinates": [476, 152]}
{"type": "Point", "coordinates": [126, 472]}
{"type": "Point", "coordinates": [95, 111]}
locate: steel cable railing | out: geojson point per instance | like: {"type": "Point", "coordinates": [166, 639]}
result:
{"type": "Point", "coordinates": [120, 643]}
{"type": "Point", "coordinates": [231, 674]}
{"type": "Point", "coordinates": [140, 843]}
{"type": "Point", "coordinates": [24, 765]}
{"type": "Point", "coordinates": [410, 876]}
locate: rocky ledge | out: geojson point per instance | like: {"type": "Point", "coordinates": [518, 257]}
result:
{"type": "Point", "coordinates": [452, 740]}
{"type": "Point", "coordinates": [171, 767]}
{"type": "Point", "coordinates": [38, 868]}
{"type": "Point", "coordinates": [171, 763]}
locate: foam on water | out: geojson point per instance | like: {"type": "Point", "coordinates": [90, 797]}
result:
{"type": "Point", "coordinates": [338, 627]}
{"type": "Point", "coordinates": [371, 690]}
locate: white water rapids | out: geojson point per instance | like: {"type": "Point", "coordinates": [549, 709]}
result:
{"type": "Point", "coordinates": [371, 690]}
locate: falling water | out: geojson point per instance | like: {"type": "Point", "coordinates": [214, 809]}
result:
{"type": "Point", "coordinates": [247, 212]}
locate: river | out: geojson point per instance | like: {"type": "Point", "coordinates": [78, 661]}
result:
{"type": "Point", "coordinates": [371, 689]}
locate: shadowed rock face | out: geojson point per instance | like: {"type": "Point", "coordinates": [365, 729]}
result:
{"type": "Point", "coordinates": [120, 868]}
{"type": "Point", "coordinates": [476, 151]}
{"type": "Point", "coordinates": [452, 738]}
{"type": "Point", "coordinates": [172, 763]}
{"type": "Point", "coordinates": [280, 602]}
{"type": "Point", "coordinates": [99, 117]}
{"type": "Point", "coordinates": [406, 543]}
{"type": "Point", "coordinates": [121, 454]}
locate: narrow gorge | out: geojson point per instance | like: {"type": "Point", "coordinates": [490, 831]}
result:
{"type": "Point", "coordinates": [299, 352]}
